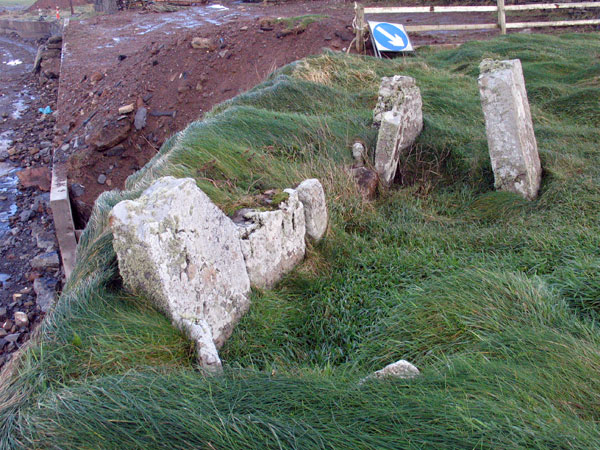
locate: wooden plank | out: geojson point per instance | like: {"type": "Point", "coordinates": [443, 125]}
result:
{"type": "Point", "coordinates": [430, 9]}
{"type": "Point", "coordinates": [560, 23]}
{"type": "Point", "coordinates": [552, 6]}
{"type": "Point", "coordinates": [472, 26]}
{"type": "Point", "coordinates": [63, 218]}
{"type": "Point", "coordinates": [359, 26]}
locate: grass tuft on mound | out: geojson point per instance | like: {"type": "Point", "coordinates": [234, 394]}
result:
{"type": "Point", "coordinates": [495, 299]}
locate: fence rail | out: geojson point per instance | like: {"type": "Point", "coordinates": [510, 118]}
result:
{"type": "Point", "coordinates": [360, 24]}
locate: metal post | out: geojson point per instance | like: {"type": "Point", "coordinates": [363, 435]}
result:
{"type": "Point", "coordinates": [359, 27]}
{"type": "Point", "coordinates": [501, 16]}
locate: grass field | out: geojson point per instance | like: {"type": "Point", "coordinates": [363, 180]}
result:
{"type": "Point", "coordinates": [493, 298]}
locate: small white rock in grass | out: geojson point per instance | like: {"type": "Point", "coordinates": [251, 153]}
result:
{"type": "Point", "coordinates": [312, 196]}
{"type": "Point", "coordinates": [399, 369]}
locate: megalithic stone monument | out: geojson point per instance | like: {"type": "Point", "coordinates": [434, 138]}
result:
{"type": "Point", "coordinates": [511, 140]}
{"type": "Point", "coordinates": [399, 113]}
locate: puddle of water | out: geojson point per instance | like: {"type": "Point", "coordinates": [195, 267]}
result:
{"type": "Point", "coordinates": [8, 194]}
{"type": "Point", "coordinates": [19, 107]}
{"type": "Point", "coordinates": [5, 140]}
{"type": "Point", "coordinates": [13, 62]}
{"type": "Point", "coordinates": [4, 277]}
{"type": "Point", "coordinates": [219, 7]}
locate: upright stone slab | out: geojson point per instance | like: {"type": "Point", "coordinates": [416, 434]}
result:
{"type": "Point", "coordinates": [511, 140]}
{"type": "Point", "coordinates": [399, 113]}
{"type": "Point", "coordinates": [312, 196]}
{"type": "Point", "coordinates": [273, 241]}
{"type": "Point", "coordinates": [175, 246]}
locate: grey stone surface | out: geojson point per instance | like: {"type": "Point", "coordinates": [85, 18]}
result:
{"type": "Point", "coordinates": [399, 369]}
{"type": "Point", "coordinates": [45, 289]}
{"type": "Point", "coordinates": [273, 242]}
{"type": "Point", "coordinates": [140, 118]}
{"type": "Point", "coordinates": [359, 153]}
{"type": "Point", "coordinates": [45, 261]}
{"type": "Point", "coordinates": [399, 113]}
{"type": "Point", "coordinates": [312, 196]}
{"type": "Point", "coordinates": [509, 128]}
{"type": "Point", "coordinates": [176, 246]}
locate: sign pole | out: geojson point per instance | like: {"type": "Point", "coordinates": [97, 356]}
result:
{"type": "Point", "coordinates": [501, 16]}
{"type": "Point", "coordinates": [360, 27]}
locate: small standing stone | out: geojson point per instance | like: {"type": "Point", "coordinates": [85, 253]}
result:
{"type": "Point", "coordinates": [312, 196]}
{"type": "Point", "coordinates": [399, 110]}
{"type": "Point", "coordinates": [511, 140]}
{"type": "Point", "coordinates": [358, 153]}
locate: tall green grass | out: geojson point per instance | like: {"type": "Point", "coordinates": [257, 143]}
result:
{"type": "Point", "coordinates": [494, 298]}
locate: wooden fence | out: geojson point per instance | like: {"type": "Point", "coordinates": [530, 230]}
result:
{"type": "Point", "coordinates": [361, 26]}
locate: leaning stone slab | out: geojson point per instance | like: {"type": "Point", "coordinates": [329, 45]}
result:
{"type": "Point", "coordinates": [511, 140]}
{"type": "Point", "coordinates": [399, 113]}
{"type": "Point", "coordinates": [273, 241]}
{"type": "Point", "coordinates": [175, 246]}
{"type": "Point", "coordinates": [312, 196]}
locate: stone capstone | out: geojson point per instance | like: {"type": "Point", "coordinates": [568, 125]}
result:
{"type": "Point", "coordinates": [175, 246]}
{"type": "Point", "coordinates": [509, 128]}
{"type": "Point", "coordinates": [312, 196]}
{"type": "Point", "coordinates": [273, 242]}
{"type": "Point", "coordinates": [399, 113]}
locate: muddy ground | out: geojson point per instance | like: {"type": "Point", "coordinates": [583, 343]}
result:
{"type": "Point", "coordinates": [29, 260]}
{"type": "Point", "coordinates": [146, 59]}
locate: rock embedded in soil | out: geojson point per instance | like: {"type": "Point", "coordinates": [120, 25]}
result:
{"type": "Point", "coordinates": [45, 261]}
{"type": "Point", "coordinates": [21, 319]}
{"type": "Point", "coordinates": [509, 128]}
{"type": "Point", "coordinates": [175, 246]}
{"type": "Point", "coordinates": [45, 289]}
{"type": "Point", "coordinates": [399, 113]}
{"type": "Point", "coordinates": [140, 118]}
{"type": "Point", "coordinates": [367, 181]}
{"type": "Point", "coordinates": [312, 196]}
{"type": "Point", "coordinates": [37, 177]}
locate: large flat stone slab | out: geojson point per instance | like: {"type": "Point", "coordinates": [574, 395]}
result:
{"type": "Point", "coordinates": [509, 128]}
{"type": "Point", "coordinates": [175, 246]}
{"type": "Point", "coordinates": [273, 242]}
{"type": "Point", "coordinates": [400, 117]}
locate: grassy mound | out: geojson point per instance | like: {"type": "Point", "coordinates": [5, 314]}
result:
{"type": "Point", "coordinates": [495, 299]}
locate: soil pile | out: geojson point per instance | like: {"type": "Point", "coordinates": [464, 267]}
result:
{"type": "Point", "coordinates": [52, 4]}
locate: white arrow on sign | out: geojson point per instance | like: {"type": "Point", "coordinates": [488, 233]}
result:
{"type": "Point", "coordinates": [395, 40]}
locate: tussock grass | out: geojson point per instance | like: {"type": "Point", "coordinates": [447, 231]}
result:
{"type": "Point", "coordinates": [495, 299]}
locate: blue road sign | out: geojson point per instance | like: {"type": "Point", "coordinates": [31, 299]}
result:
{"type": "Point", "coordinates": [390, 37]}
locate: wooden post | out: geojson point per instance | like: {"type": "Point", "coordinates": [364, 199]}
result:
{"type": "Point", "coordinates": [359, 27]}
{"type": "Point", "coordinates": [501, 16]}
